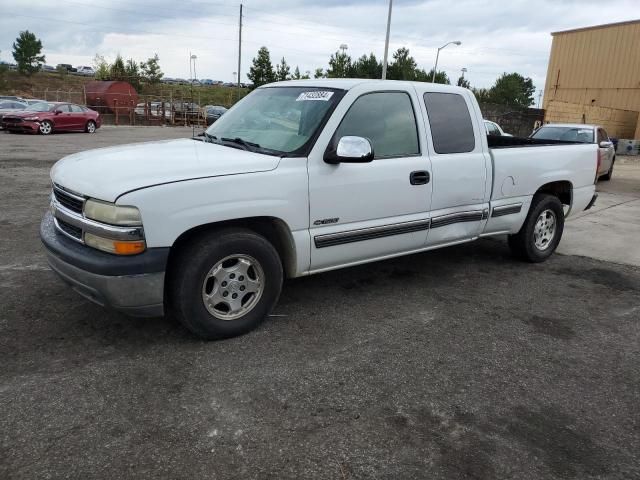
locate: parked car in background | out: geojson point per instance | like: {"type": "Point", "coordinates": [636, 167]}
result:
{"type": "Point", "coordinates": [153, 109]}
{"type": "Point", "coordinates": [66, 66]}
{"type": "Point", "coordinates": [168, 80]}
{"type": "Point", "coordinates": [10, 106]}
{"type": "Point", "coordinates": [229, 84]}
{"type": "Point", "coordinates": [206, 81]}
{"type": "Point", "coordinates": [181, 81]}
{"type": "Point", "coordinates": [196, 83]}
{"type": "Point", "coordinates": [494, 129]}
{"type": "Point", "coordinates": [86, 71]}
{"type": "Point", "coordinates": [31, 101]}
{"type": "Point", "coordinates": [10, 97]}
{"type": "Point", "coordinates": [213, 113]}
{"type": "Point", "coordinates": [47, 117]}
{"type": "Point", "coordinates": [581, 133]}
{"type": "Point", "coordinates": [48, 68]}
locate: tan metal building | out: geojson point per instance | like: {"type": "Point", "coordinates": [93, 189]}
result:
{"type": "Point", "coordinates": [594, 77]}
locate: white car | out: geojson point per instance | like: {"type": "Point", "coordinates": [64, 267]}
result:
{"type": "Point", "coordinates": [365, 170]}
{"type": "Point", "coordinates": [87, 71]}
{"type": "Point", "coordinates": [494, 129]}
{"type": "Point", "coordinates": [578, 132]}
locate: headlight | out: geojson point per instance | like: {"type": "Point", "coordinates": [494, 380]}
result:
{"type": "Point", "coordinates": [32, 119]}
{"type": "Point", "coordinates": [111, 213]}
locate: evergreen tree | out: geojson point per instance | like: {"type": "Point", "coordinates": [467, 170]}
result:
{"type": "Point", "coordinates": [512, 89]}
{"type": "Point", "coordinates": [282, 71]}
{"type": "Point", "coordinates": [133, 73]}
{"type": "Point", "coordinates": [26, 52]}
{"type": "Point", "coordinates": [441, 77]}
{"type": "Point", "coordinates": [117, 71]}
{"type": "Point", "coordinates": [367, 67]}
{"type": "Point", "coordinates": [339, 65]}
{"type": "Point", "coordinates": [463, 82]}
{"type": "Point", "coordinates": [296, 74]}
{"type": "Point", "coordinates": [403, 66]}
{"type": "Point", "coordinates": [319, 73]}
{"type": "Point", "coordinates": [261, 70]}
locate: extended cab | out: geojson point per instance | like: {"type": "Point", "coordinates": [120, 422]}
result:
{"type": "Point", "coordinates": [301, 177]}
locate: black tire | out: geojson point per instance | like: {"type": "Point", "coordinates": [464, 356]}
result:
{"type": "Point", "coordinates": [523, 243]}
{"type": "Point", "coordinates": [46, 127]}
{"type": "Point", "coordinates": [190, 270]}
{"type": "Point", "coordinates": [607, 176]}
{"type": "Point", "coordinates": [90, 127]}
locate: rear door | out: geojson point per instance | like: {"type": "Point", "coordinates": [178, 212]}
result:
{"type": "Point", "coordinates": [363, 211]}
{"type": "Point", "coordinates": [457, 144]}
{"type": "Point", "coordinates": [78, 118]}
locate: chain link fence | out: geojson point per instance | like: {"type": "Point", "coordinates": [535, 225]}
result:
{"type": "Point", "coordinates": [121, 109]}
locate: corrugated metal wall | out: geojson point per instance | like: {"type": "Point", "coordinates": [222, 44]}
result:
{"type": "Point", "coordinates": [596, 67]}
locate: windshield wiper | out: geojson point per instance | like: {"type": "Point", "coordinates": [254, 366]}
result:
{"type": "Point", "coordinates": [252, 147]}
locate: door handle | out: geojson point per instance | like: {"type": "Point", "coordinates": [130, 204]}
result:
{"type": "Point", "coordinates": [419, 177]}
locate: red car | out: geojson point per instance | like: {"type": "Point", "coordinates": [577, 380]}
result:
{"type": "Point", "coordinates": [47, 117]}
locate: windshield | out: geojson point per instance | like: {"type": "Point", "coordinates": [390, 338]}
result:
{"type": "Point", "coordinates": [283, 120]}
{"type": "Point", "coordinates": [567, 134]}
{"type": "Point", "coordinates": [40, 107]}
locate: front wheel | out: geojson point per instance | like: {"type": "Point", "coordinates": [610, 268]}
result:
{"type": "Point", "coordinates": [46, 127]}
{"type": "Point", "coordinates": [542, 230]}
{"type": "Point", "coordinates": [224, 283]}
{"type": "Point", "coordinates": [91, 127]}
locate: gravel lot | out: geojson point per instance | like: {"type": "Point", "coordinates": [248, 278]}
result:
{"type": "Point", "coordinates": [459, 363]}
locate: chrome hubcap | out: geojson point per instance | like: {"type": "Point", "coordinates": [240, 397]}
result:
{"type": "Point", "coordinates": [45, 128]}
{"type": "Point", "coordinates": [544, 230]}
{"type": "Point", "coordinates": [91, 128]}
{"type": "Point", "coordinates": [233, 287]}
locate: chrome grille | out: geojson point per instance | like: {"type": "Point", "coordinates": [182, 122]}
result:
{"type": "Point", "coordinates": [67, 200]}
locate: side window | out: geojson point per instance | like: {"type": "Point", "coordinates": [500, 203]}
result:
{"type": "Point", "coordinates": [602, 136]}
{"type": "Point", "coordinates": [76, 109]}
{"type": "Point", "coordinates": [451, 127]}
{"type": "Point", "coordinates": [63, 108]}
{"type": "Point", "coordinates": [387, 120]}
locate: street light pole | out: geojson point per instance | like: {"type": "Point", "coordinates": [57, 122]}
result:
{"type": "Point", "coordinates": [435, 67]}
{"type": "Point", "coordinates": [386, 43]}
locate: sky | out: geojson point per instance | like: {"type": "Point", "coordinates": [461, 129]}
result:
{"type": "Point", "coordinates": [497, 36]}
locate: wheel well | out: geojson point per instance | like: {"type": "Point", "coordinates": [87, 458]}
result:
{"type": "Point", "coordinates": [276, 231]}
{"type": "Point", "coordinates": [561, 189]}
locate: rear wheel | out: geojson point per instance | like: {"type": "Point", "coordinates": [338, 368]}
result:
{"type": "Point", "coordinates": [91, 126]}
{"type": "Point", "coordinates": [542, 230]}
{"type": "Point", "coordinates": [225, 283]}
{"type": "Point", "coordinates": [46, 127]}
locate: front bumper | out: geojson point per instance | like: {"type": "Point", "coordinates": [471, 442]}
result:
{"type": "Point", "coordinates": [24, 126]}
{"type": "Point", "coordinates": [133, 285]}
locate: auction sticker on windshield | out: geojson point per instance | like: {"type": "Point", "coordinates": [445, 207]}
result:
{"type": "Point", "coordinates": [315, 95]}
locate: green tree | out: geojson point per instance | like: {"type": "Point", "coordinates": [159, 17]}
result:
{"type": "Point", "coordinates": [132, 72]}
{"type": "Point", "coordinates": [367, 67]}
{"type": "Point", "coordinates": [463, 82]}
{"type": "Point", "coordinates": [513, 89]}
{"type": "Point", "coordinates": [26, 52]}
{"type": "Point", "coordinates": [441, 77]}
{"type": "Point", "coordinates": [117, 70]}
{"type": "Point", "coordinates": [482, 95]}
{"type": "Point", "coordinates": [339, 65]}
{"type": "Point", "coordinates": [296, 74]}
{"type": "Point", "coordinates": [403, 66]}
{"type": "Point", "coordinates": [282, 71]}
{"type": "Point", "coordinates": [261, 70]}
{"type": "Point", "coordinates": [101, 67]}
{"type": "Point", "coordinates": [306, 76]}
{"type": "Point", "coordinates": [4, 68]}
{"type": "Point", "coordinates": [319, 73]}
{"type": "Point", "coordinates": [150, 70]}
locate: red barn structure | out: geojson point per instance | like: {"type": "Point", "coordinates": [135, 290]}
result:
{"type": "Point", "coordinates": [111, 97]}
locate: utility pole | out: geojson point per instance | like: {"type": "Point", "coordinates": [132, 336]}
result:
{"type": "Point", "coordinates": [540, 97]}
{"type": "Point", "coordinates": [386, 43]}
{"type": "Point", "coordinates": [239, 49]}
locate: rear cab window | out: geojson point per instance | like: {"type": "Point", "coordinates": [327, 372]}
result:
{"type": "Point", "coordinates": [450, 123]}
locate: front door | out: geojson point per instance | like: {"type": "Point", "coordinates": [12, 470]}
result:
{"type": "Point", "coordinates": [460, 202]}
{"type": "Point", "coordinates": [362, 211]}
{"type": "Point", "coordinates": [606, 153]}
{"type": "Point", "coordinates": [62, 120]}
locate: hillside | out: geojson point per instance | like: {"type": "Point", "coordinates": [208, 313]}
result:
{"type": "Point", "coordinates": [54, 86]}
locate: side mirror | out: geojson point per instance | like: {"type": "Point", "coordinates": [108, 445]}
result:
{"type": "Point", "coordinates": [58, 112]}
{"type": "Point", "coordinates": [350, 149]}
{"type": "Point", "coordinates": [605, 144]}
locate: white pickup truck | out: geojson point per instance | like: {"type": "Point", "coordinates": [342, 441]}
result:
{"type": "Point", "coordinates": [301, 177]}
